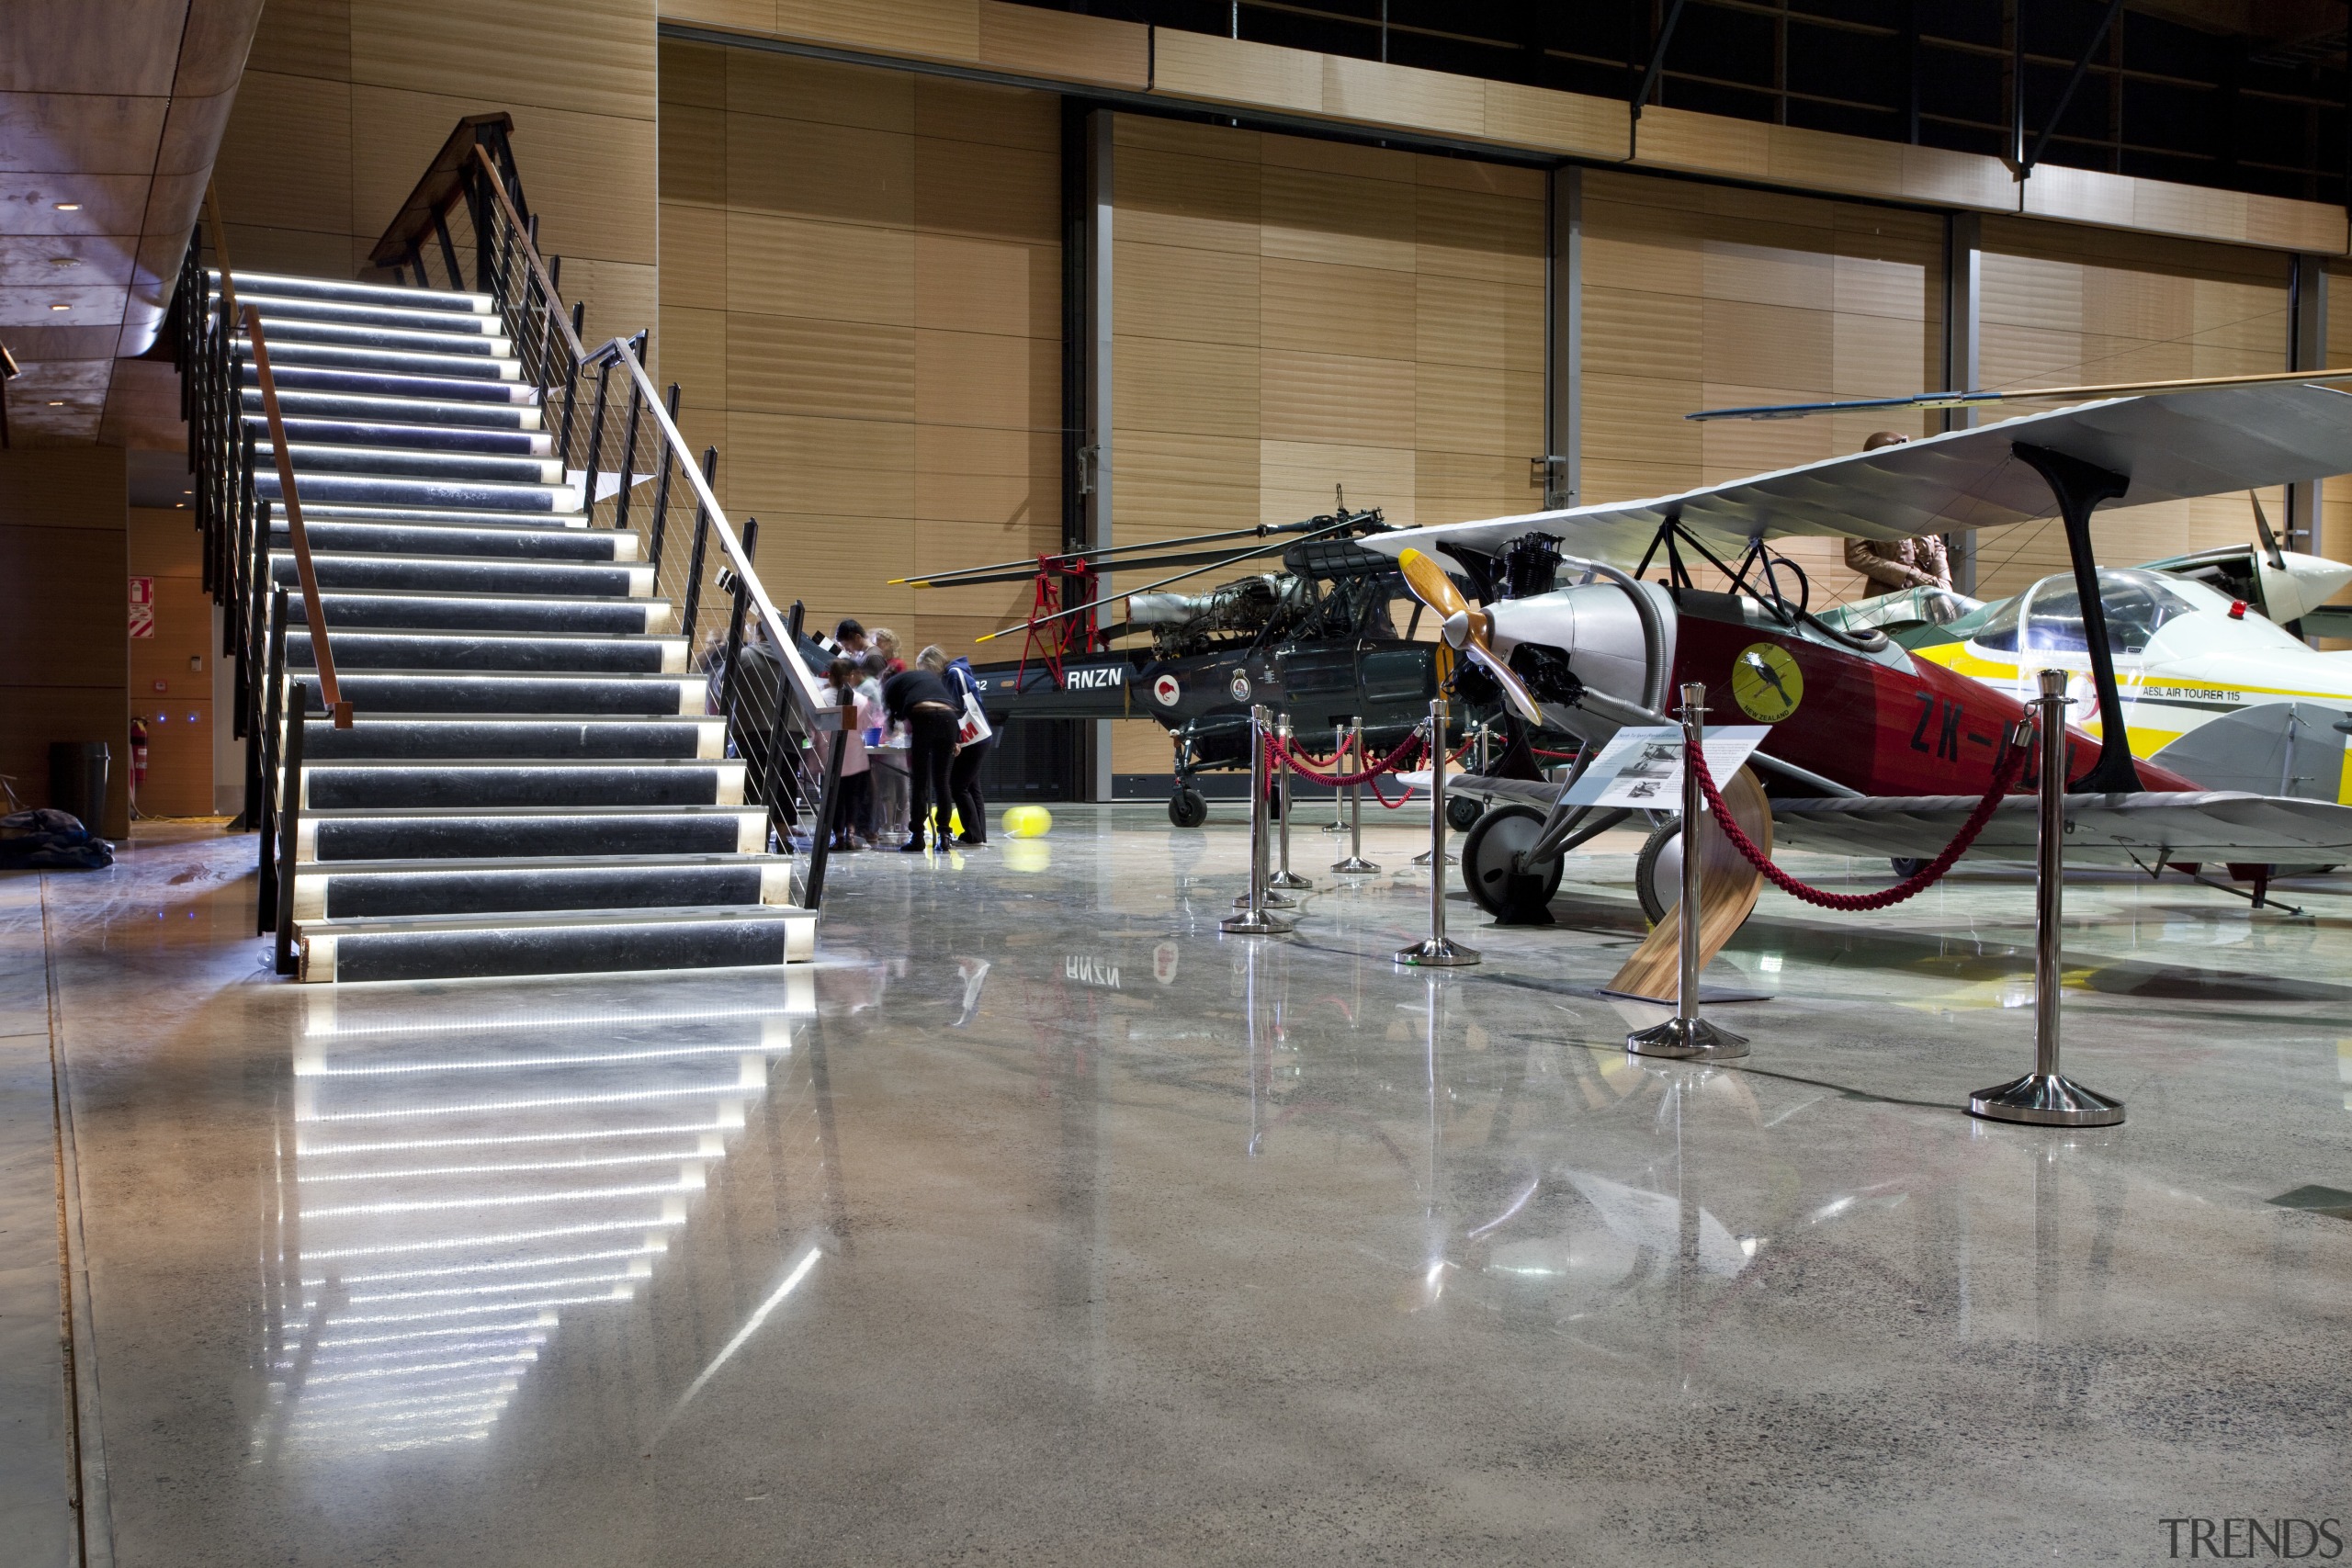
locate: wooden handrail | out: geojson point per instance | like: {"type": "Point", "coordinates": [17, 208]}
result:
{"type": "Point", "coordinates": [219, 232]}
{"type": "Point", "coordinates": [437, 191]}
{"type": "Point", "coordinates": [330, 689]}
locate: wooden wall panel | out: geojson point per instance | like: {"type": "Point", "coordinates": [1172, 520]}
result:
{"type": "Point", "coordinates": [350, 99]}
{"type": "Point", "coordinates": [64, 650]}
{"type": "Point", "coordinates": [2065, 305]}
{"type": "Point", "coordinates": [862, 277]}
{"type": "Point", "coordinates": [1699, 296]}
{"type": "Point", "coordinates": [161, 544]}
{"type": "Point", "coordinates": [1298, 318]}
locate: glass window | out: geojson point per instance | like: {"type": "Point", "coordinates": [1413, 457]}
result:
{"type": "Point", "coordinates": [2136, 604]}
{"type": "Point", "coordinates": [1999, 631]}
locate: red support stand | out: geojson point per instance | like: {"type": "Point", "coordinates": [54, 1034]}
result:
{"type": "Point", "coordinates": [1053, 637]}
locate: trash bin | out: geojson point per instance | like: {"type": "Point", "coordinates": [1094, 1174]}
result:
{"type": "Point", "coordinates": [77, 781]}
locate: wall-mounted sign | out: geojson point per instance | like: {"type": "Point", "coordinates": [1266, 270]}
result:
{"type": "Point", "coordinates": [142, 607]}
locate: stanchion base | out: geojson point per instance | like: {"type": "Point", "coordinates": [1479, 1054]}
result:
{"type": "Point", "coordinates": [2052, 1101]}
{"type": "Point", "coordinates": [1255, 923]}
{"type": "Point", "coordinates": [1354, 865]}
{"type": "Point", "coordinates": [1687, 1039]}
{"type": "Point", "coordinates": [1274, 900]}
{"type": "Point", "coordinates": [1288, 879]}
{"type": "Point", "coordinates": [1438, 953]}
{"type": "Point", "coordinates": [1423, 859]}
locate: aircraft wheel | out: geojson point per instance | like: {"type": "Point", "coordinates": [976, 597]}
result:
{"type": "Point", "coordinates": [1461, 812]}
{"type": "Point", "coordinates": [1657, 870]}
{"type": "Point", "coordinates": [1907, 867]}
{"type": "Point", "coordinates": [1512, 897]}
{"type": "Point", "coordinates": [1188, 807]}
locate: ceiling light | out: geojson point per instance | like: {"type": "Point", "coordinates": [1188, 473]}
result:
{"type": "Point", "coordinates": [60, 306]}
{"type": "Point", "coordinates": [69, 207]}
{"type": "Point", "coordinates": [57, 402]}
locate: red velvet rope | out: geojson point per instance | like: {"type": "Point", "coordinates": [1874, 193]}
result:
{"type": "Point", "coordinates": [2004, 775]}
{"type": "Point", "coordinates": [1311, 768]}
{"type": "Point", "coordinates": [1278, 750]}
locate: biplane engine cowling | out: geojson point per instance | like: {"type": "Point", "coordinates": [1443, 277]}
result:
{"type": "Point", "coordinates": [1595, 628]}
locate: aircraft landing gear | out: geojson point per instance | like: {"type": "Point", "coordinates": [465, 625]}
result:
{"type": "Point", "coordinates": [1461, 812]}
{"type": "Point", "coordinates": [1513, 897]}
{"type": "Point", "coordinates": [1187, 807]}
{"type": "Point", "coordinates": [1657, 870]}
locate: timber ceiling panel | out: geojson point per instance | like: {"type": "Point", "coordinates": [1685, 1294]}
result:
{"type": "Point", "coordinates": [107, 134]}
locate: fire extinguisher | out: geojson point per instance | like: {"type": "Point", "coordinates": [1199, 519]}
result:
{"type": "Point", "coordinates": [138, 754]}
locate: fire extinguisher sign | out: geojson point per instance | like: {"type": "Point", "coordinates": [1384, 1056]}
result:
{"type": "Point", "coordinates": [142, 607]}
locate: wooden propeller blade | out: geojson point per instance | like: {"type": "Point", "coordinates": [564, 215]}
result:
{"type": "Point", "coordinates": [1431, 585]}
{"type": "Point", "coordinates": [1505, 676]}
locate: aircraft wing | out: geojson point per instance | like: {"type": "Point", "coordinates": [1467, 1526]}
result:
{"type": "Point", "coordinates": [2104, 830]}
{"type": "Point", "coordinates": [2110, 829]}
{"type": "Point", "coordinates": [2170, 445]}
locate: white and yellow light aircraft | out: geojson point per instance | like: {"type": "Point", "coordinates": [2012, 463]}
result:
{"type": "Point", "coordinates": [2212, 687]}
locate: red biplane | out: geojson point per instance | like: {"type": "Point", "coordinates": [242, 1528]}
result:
{"type": "Point", "coordinates": [1872, 752]}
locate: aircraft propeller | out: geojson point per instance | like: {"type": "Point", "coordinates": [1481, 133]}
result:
{"type": "Point", "coordinates": [1465, 629]}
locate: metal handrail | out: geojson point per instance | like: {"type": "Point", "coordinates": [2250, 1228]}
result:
{"type": "Point", "coordinates": [322, 656]}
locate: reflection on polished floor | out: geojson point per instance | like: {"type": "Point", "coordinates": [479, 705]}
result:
{"type": "Point", "coordinates": [1039, 1222]}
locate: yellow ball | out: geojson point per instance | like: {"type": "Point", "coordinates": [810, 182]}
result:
{"type": "Point", "coordinates": [1027, 822]}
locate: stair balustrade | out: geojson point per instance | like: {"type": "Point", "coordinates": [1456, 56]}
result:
{"type": "Point", "coordinates": [609, 439]}
{"type": "Point", "coordinates": [618, 437]}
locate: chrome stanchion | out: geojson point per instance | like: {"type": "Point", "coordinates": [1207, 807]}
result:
{"type": "Point", "coordinates": [2044, 1098]}
{"type": "Point", "coordinates": [1435, 854]}
{"type": "Point", "coordinates": [1685, 1035]}
{"type": "Point", "coordinates": [1338, 823]}
{"type": "Point", "coordinates": [1254, 918]}
{"type": "Point", "coordinates": [1351, 743]}
{"type": "Point", "coordinates": [1286, 877]}
{"type": "Point", "coordinates": [1438, 953]}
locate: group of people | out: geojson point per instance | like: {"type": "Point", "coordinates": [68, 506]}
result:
{"type": "Point", "coordinates": [917, 737]}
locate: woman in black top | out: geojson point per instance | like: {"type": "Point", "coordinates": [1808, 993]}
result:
{"type": "Point", "coordinates": [964, 775]}
{"type": "Point", "coordinates": [921, 701]}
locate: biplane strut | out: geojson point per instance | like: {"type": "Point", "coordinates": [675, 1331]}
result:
{"type": "Point", "coordinates": [2078, 487]}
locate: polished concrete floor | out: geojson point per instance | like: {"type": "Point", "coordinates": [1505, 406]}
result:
{"type": "Point", "coordinates": [1040, 1224]}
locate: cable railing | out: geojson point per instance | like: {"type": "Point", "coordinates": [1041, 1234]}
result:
{"type": "Point", "coordinates": [618, 437]}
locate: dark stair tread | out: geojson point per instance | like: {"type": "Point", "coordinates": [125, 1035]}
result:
{"type": "Point", "coordinates": [472, 342]}
{"type": "Point", "coordinates": [361, 511]}
{"type": "Point", "coordinates": [279, 306]}
{"type": "Point", "coordinates": [296, 286]}
{"type": "Point", "coordinates": [331, 381]}
{"type": "Point", "coordinates": [522, 864]}
{"type": "Point", "coordinates": [518, 813]}
{"type": "Point", "coordinates": [472, 413]}
{"type": "Point", "coordinates": [520, 764]}
{"type": "Point", "coordinates": [679, 916]}
{"type": "Point", "coordinates": [419, 436]}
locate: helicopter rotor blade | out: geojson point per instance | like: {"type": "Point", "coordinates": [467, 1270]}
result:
{"type": "Point", "coordinates": [1100, 555]}
{"type": "Point", "coordinates": [1236, 560]}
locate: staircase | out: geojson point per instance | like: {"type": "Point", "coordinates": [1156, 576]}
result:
{"type": "Point", "coordinates": [530, 785]}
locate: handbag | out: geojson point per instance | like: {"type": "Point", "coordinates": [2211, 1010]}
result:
{"type": "Point", "coordinates": [972, 724]}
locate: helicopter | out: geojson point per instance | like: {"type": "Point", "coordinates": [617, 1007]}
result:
{"type": "Point", "coordinates": [1872, 750]}
{"type": "Point", "coordinates": [1315, 638]}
